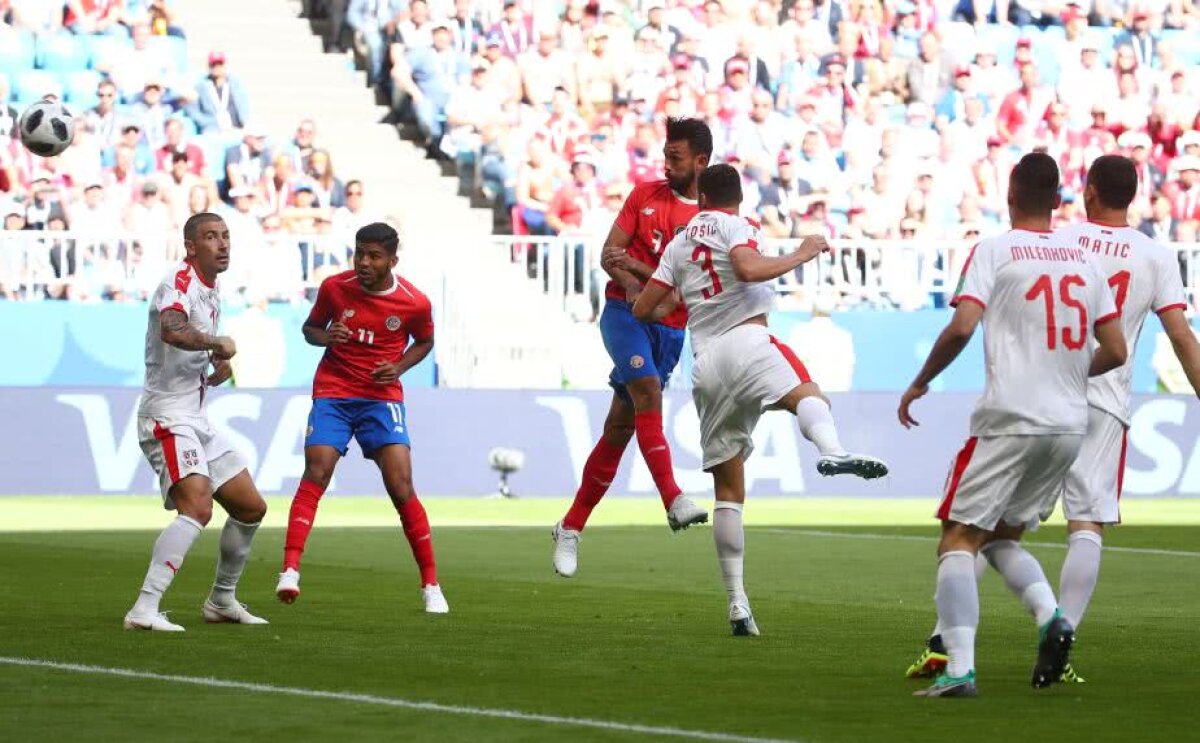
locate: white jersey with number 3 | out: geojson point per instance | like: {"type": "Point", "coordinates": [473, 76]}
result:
{"type": "Point", "coordinates": [1042, 297]}
{"type": "Point", "coordinates": [1144, 277]}
{"type": "Point", "coordinates": [698, 263]}
{"type": "Point", "coordinates": [176, 379]}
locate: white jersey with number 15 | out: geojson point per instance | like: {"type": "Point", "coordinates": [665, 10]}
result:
{"type": "Point", "coordinates": [698, 263]}
{"type": "Point", "coordinates": [1144, 277]}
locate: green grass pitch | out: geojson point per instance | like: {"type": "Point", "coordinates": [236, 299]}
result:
{"type": "Point", "coordinates": [637, 638]}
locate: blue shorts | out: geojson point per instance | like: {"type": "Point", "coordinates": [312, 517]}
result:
{"type": "Point", "coordinates": [374, 424]}
{"type": "Point", "coordinates": [637, 349]}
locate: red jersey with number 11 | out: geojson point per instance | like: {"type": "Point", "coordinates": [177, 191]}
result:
{"type": "Point", "coordinates": [381, 324]}
{"type": "Point", "coordinates": [652, 216]}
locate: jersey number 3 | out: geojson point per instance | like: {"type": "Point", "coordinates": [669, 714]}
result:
{"type": "Point", "coordinates": [703, 255]}
{"type": "Point", "coordinates": [1044, 288]}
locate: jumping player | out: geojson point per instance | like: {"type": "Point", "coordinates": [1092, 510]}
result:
{"type": "Point", "coordinates": [644, 355]}
{"type": "Point", "coordinates": [195, 465]}
{"type": "Point", "coordinates": [365, 318]}
{"type": "Point", "coordinates": [741, 369]}
{"type": "Point", "coordinates": [1043, 300]}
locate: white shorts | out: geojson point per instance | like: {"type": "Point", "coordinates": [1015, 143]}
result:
{"type": "Point", "coordinates": [176, 448]}
{"type": "Point", "coordinates": [1013, 479]}
{"type": "Point", "coordinates": [740, 374]}
{"type": "Point", "coordinates": [1092, 491]}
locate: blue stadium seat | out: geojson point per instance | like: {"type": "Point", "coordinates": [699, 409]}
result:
{"type": "Point", "coordinates": [16, 51]}
{"type": "Point", "coordinates": [1001, 38]}
{"type": "Point", "coordinates": [1185, 44]}
{"type": "Point", "coordinates": [79, 89]}
{"type": "Point", "coordinates": [30, 85]}
{"type": "Point", "coordinates": [61, 53]}
{"type": "Point", "coordinates": [100, 47]}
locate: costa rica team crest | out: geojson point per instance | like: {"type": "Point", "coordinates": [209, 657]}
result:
{"type": "Point", "coordinates": [393, 323]}
{"type": "Point", "coordinates": [637, 362]}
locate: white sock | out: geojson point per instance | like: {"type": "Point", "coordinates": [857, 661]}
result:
{"type": "Point", "coordinates": [1024, 577]}
{"type": "Point", "coordinates": [816, 424]}
{"type": "Point", "coordinates": [235, 549]}
{"type": "Point", "coordinates": [981, 566]}
{"type": "Point", "coordinates": [1079, 573]}
{"type": "Point", "coordinates": [170, 548]}
{"type": "Point", "coordinates": [958, 610]}
{"type": "Point", "coordinates": [731, 547]}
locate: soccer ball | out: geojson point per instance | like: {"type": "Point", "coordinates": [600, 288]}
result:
{"type": "Point", "coordinates": [47, 127]}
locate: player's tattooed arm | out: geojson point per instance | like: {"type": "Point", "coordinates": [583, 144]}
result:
{"type": "Point", "coordinates": [320, 335]}
{"type": "Point", "coordinates": [750, 265]}
{"type": "Point", "coordinates": [175, 330]}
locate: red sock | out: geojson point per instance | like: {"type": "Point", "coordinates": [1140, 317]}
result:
{"type": "Point", "coordinates": [652, 442]}
{"type": "Point", "coordinates": [598, 473]}
{"type": "Point", "coordinates": [300, 522]}
{"type": "Point", "coordinates": [416, 530]}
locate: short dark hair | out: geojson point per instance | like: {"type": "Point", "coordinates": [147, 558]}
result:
{"type": "Point", "coordinates": [693, 131]}
{"type": "Point", "coordinates": [1035, 184]}
{"type": "Point", "coordinates": [1115, 179]}
{"type": "Point", "coordinates": [721, 185]}
{"type": "Point", "coordinates": [192, 225]}
{"type": "Point", "coordinates": [352, 184]}
{"type": "Point", "coordinates": [378, 233]}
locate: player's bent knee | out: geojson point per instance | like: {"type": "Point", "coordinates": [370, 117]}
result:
{"type": "Point", "coordinates": [646, 393]}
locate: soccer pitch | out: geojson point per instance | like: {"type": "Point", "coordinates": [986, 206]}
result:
{"type": "Point", "coordinates": [635, 646]}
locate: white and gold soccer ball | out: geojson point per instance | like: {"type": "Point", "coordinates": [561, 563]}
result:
{"type": "Point", "coordinates": [47, 127]}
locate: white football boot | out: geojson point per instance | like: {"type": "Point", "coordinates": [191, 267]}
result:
{"type": "Point", "coordinates": [684, 512]}
{"type": "Point", "coordinates": [742, 621]}
{"type": "Point", "coordinates": [435, 600]}
{"type": "Point", "coordinates": [236, 614]}
{"type": "Point", "coordinates": [287, 589]}
{"type": "Point", "coordinates": [157, 622]}
{"type": "Point", "coordinates": [566, 550]}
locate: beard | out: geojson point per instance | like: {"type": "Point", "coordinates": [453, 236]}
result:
{"type": "Point", "coordinates": [680, 183]}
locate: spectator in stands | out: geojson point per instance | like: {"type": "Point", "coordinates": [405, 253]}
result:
{"type": "Point", "coordinates": [804, 21]}
{"type": "Point", "coordinates": [44, 205]}
{"type": "Point", "coordinates": [149, 218]}
{"type": "Point", "coordinates": [930, 73]}
{"type": "Point", "coordinates": [759, 139]}
{"type": "Point", "coordinates": [202, 199]}
{"type": "Point", "coordinates": [353, 215]}
{"type": "Point", "coordinates": [1184, 191]}
{"type": "Point", "coordinates": [174, 144]}
{"type": "Point", "coordinates": [471, 109]}
{"type": "Point", "coordinates": [1140, 39]}
{"type": "Point", "coordinates": [328, 188]}
{"type": "Point", "coordinates": [759, 74]}
{"type": "Point", "coordinates": [93, 215]}
{"type": "Point", "coordinates": [38, 16]}
{"type": "Point", "coordinates": [243, 223]}
{"type": "Point", "coordinates": [97, 17]}
{"type": "Point", "coordinates": [537, 182]}
{"type": "Point", "coordinates": [374, 23]}
{"type": "Point", "coordinates": [8, 114]}
{"type": "Point", "coordinates": [599, 74]}
{"type": "Point", "coordinates": [245, 163]}
{"type": "Point", "coordinates": [467, 30]}
{"type": "Point", "coordinates": [514, 30]}
{"type": "Point", "coordinates": [991, 179]}
{"type": "Point", "coordinates": [1136, 146]}
{"type": "Point", "coordinates": [279, 184]}
{"type": "Point", "coordinates": [883, 210]}
{"type": "Point", "coordinates": [131, 137]}
{"type": "Point", "coordinates": [152, 112]}
{"type": "Point", "coordinates": [1082, 85]}
{"type": "Point", "coordinates": [221, 102]}
{"type": "Point", "coordinates": [121, 182]}
{"type": "Point", "coordinates": [435, 72]}
{"type": "Point", "coordinates": [177, 185]}
{"type": "Point", "coordinates": [572, 203]}
{"type": "Point", "coordinates": [1160, 224]}
{"type": "Point", "coordinates": [162, 19]}
{"type": "Point", "coordinates": [301, 148]}
{"type": "Point", "coordinates": [504, 77]}
{"type": "Point", "coordinates": [784, 199]}
{"type": "Point", "coordinates": [102, 118]}
{"type": "Point", "coordinates": [1023, 108]}
{"type": "Point", "coordinates": [545, 68]}
{"type": "Point", "coordinates": [416, 31]}
{"type": "Point", "coordinates": [130, 66]}
{"type": "Point", "coordinates": [953, 103]}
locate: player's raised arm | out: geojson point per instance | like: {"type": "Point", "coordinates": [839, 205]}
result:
{"type": "Point", "coordinates": [751, 266]}
{"type": "Point", "coordinates": [1183, 340]}
{"type": "Point", "coordinates": [175, 330]}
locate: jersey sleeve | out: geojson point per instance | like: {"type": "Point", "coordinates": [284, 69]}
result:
{"type": "Point", "coordinates": [1103, 305]}
{"type": "Point", "coordinates": [173, 295]}
{"type": "Point", "coordinates": [665, 274]}
{"type": "Point", "coordinates": [627, 219]}
{"type": "Point", "coordinates": [322, 312]}
{"type": "Point", "coordinates": [978, 277]}
{"type": "Point", "coordinates": [742, 233]}
{"type": "Point", "coordinates": [1168, 287]}
{"type": "Point", "coordinates": [420, 326]}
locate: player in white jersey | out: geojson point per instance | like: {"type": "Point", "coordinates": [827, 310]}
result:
{"type": "Point", "coordinates": [1042, 301]}
{"type": "Point", "coordinates": [740, 368]}
{"type": "Point", "coordinates": [194, 464]}
{"type": "Point", "coordinates": [1144, 277]}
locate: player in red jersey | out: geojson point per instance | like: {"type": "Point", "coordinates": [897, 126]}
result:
{"type": "Point", "coordinates": [643, 354]}
{"type": "Point", "coordinates": [365, 319]}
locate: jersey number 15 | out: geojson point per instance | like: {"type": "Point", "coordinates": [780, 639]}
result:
{"type": "Point", "coordinates": [1044, 288]}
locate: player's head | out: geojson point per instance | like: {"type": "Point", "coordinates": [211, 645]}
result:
{"type": "Point", "coordinates": [720, 187]}
{"type": "Point", "coordinates": [1033, 187]}
{"type": "Point", "coordinates": [688, 149]}
{"type": "Point", "coordinates": [375, 247]}
{"type": "Point", "coordinates": [206, 239]}
{"type": "Point", "coordinates": [1112, 183]}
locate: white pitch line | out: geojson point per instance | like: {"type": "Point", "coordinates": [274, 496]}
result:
{"type": "Point", "coordinates": [915, 538]}
{"type": "Point", "coordinates": [346, 696]}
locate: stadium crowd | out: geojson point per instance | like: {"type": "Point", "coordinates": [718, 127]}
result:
{"type": "Point", "coordinates": [155, 142]}
{"type": "Point", "coordinates": [855, 118]}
